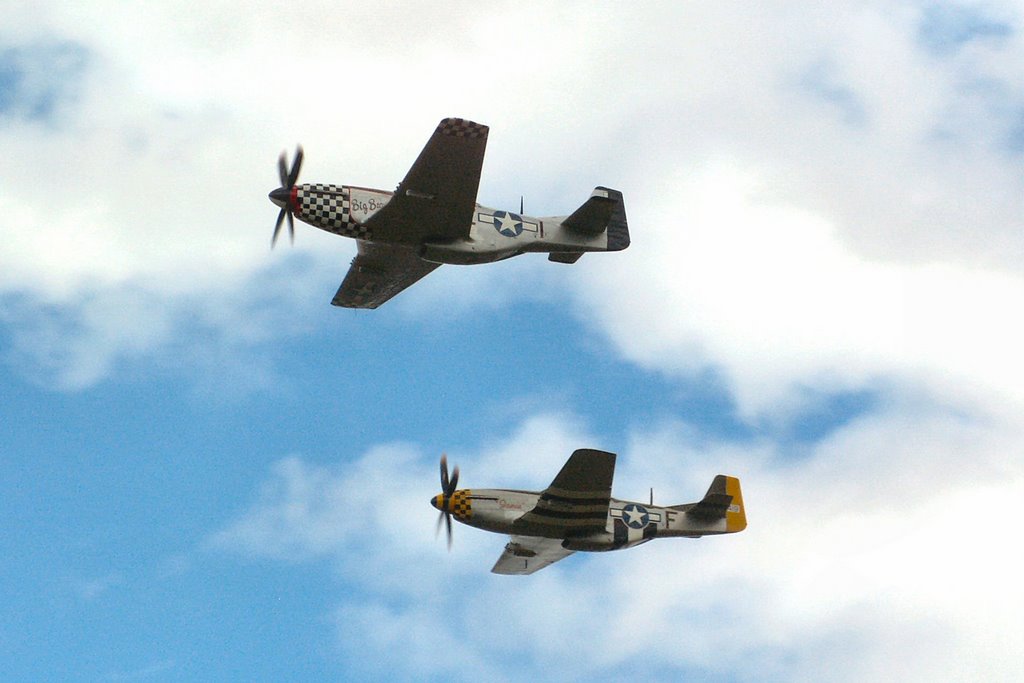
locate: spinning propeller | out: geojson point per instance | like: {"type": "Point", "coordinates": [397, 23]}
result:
{"type": "Point", "coordinates": [444, 504]}
{"type": "Point", "coordinates": [282, 196]}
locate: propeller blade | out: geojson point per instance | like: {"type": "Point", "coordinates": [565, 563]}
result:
{"type": "Point", "coordinates": [296, 166]}
{"type": "Point", "coordinates": [277, 227]}
{"type": "Point", "coordinates": [448, 485]}
{"type": "Point", "coordinates": [281, 194]}
{"type": "Point", "coordinates": [454, 482]}
{"type": "Point", "coordinates": [437, 527]}
{"type": "Point", "coordinates": [282, 170]}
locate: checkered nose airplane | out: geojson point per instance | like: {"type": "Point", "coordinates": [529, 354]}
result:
{"type": "Point", "coordinates": [433, 218]}
{"type": "Point", "coordinates": [577, 512]}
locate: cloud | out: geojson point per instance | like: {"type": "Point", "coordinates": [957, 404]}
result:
{"type": "Point", "coordinates": [890, 536]}
{"type": "Point", "coordinates": [946, 29]}
{"type": "Point", "coordinates": [38, 78]}
{"type": "Point", "coordinates": [771, 294]}
{"type": "Point", "coordinates": [216, 338]}
{"type": "Point", "coordinates": [158, 668]}
{"type": "Point", "coordinates": [92, 589]}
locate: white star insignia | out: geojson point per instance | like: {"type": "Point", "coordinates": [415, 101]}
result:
{"type": "Point", "coordinates": [635, 516]}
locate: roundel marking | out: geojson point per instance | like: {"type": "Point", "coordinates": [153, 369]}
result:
{"type": "Point", "coordinates": [508, 224]}
{"type": "Point", "coordinates": [635, 516]}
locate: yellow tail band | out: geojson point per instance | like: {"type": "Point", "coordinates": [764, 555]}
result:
{"type": "Point", "coordinates": [736, 514]}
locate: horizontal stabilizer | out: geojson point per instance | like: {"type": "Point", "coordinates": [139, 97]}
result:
{"type": "Point", "coordinates": [565, 256]}
{"type": "Point", "coordinates": [723, 500]}
{"type": "Point", "coordinates": [592, 218]}
{"type": "Point", "coordinates": [715, 502]}
{"type": "Point", "coordinates": [603, 212]}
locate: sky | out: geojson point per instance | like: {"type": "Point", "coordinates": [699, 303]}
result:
{"type": "Point", "coordinates": [209, 473]}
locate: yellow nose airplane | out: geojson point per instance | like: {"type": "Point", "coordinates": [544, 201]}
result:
{"type": "Point", "coordinates": [577, 512]}
{"type": "Point", "coordinates": [433, 218]}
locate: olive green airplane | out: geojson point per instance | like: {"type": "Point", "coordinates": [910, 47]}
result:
{"type": "Point", "coordinates": [577, 512]}
{"type": "Point", "coordinates": [433, 218]}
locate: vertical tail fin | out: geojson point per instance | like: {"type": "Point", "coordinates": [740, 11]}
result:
{"type": "Point", "coordinates": [605, 210]}
{"type": "Point", "coordinates": [723, 499]}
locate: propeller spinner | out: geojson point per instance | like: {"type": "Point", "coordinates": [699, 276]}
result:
{"type": "Point", "coordinates": [443, 502]}
{"type": "Point", "coordinates": [282, 196]}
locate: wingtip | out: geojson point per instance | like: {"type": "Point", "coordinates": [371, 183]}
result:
{"type": "Point", "coordinates": [462, 128]}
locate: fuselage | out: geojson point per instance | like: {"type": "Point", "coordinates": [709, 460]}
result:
{"type": "Point", "coordinates": [628, 523]}
{"type": "Point", "coordinates": [494, 234]}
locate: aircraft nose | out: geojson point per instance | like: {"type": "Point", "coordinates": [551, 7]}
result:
{"type": "Point", "coordinates": [436, 501]}
{"type": "Point", "coordinates": [281, 196]}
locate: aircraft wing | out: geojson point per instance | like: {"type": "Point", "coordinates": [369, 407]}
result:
{"type": "Point", "coordinates": [576, 502]}
{"type": "Point", "coordinates": [379, 272]}
{"type": "Point", "coordinates": [435, 201]}
{"type": "Point", "coordinates": [527, 554]}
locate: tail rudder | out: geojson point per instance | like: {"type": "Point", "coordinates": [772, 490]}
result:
{"type": "Point", "coordinates": [618, 228]}
{"type": "Point", "coordinates": [735, 514]}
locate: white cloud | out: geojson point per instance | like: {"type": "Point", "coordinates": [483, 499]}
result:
{"type": "Point", "coordinates": [149, 671]}
{"type": "Point", "coordinates": [771, 294]}
{"type": "Point", "coordinates": [217, 338]}
{"type": "Point", "coordinates": [94, 588]}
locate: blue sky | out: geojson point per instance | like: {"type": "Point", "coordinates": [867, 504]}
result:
{"type": "Point", "coordinates": [209, 473]}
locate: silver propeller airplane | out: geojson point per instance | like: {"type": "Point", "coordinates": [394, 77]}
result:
{"type": "Point", "coordinates": [577, 512]}
{"type": "Point", "coordinates": [433, 218]}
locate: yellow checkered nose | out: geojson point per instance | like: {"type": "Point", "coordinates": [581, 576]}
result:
{"type": "Point", "coordinates": [457, 504]}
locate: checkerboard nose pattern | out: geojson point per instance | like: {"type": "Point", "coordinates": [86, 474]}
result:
{"type": "Point", "coordinates": [458, 504]}
{"type": "Point", "coordinates": [329, 207]}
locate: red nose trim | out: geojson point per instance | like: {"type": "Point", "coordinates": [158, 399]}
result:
{"type": "Point", "coordinates": [294, 201]}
